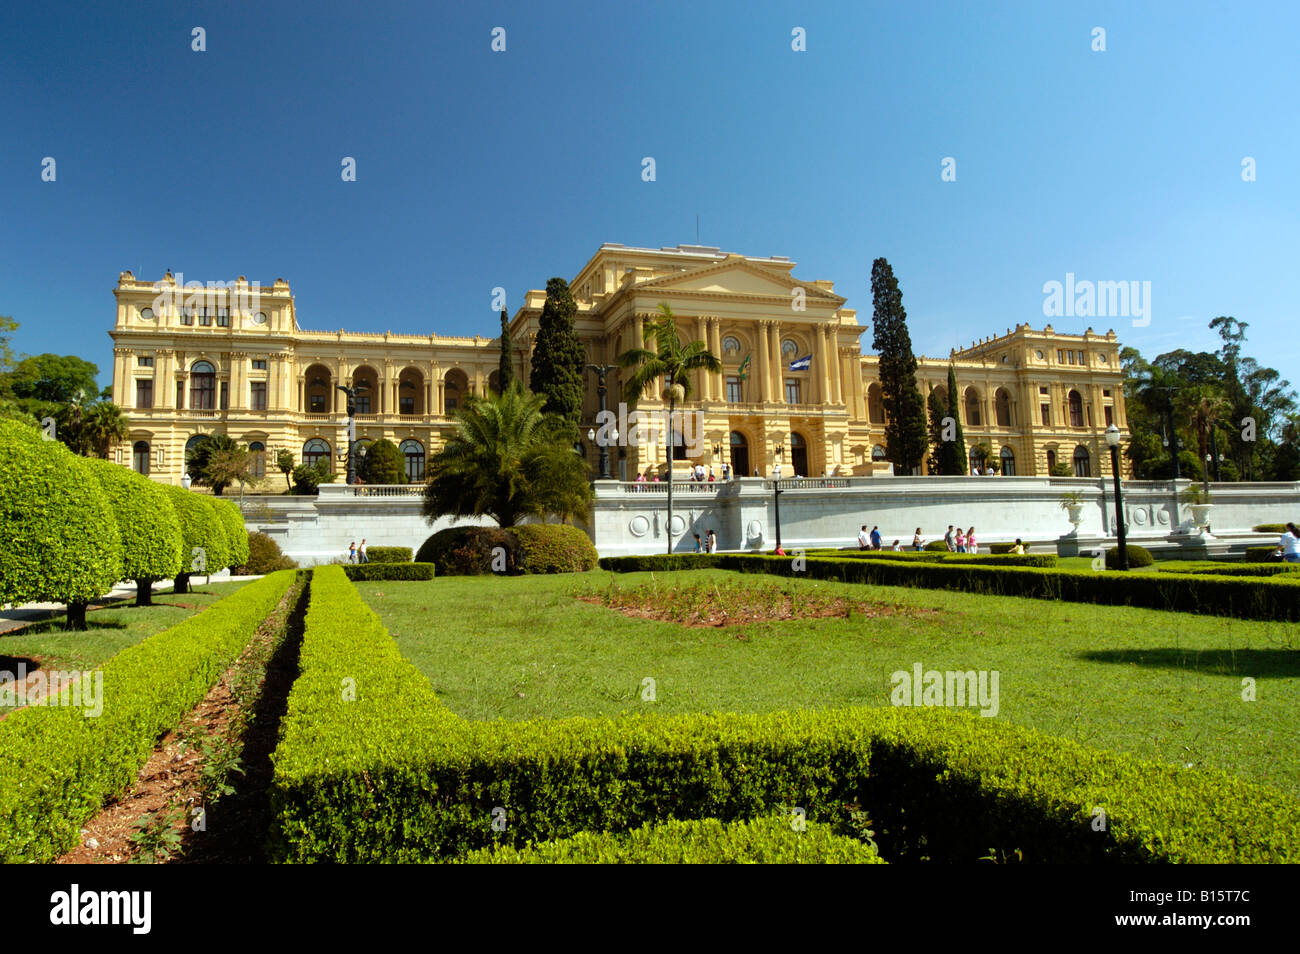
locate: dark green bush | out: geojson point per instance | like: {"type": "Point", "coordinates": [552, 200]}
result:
{"type": "Point", "coordinates": [555, 548]}
{"type": "Point", "coordinates": [383, 463]}
{"type": "Point", "coordinates": [469, 551]}
{"type": "Point", "coordinates": [772, 841]}
{"type": "Point", "coordinates": [937, 545]}
{"type": "Point", "coordinates": [147, 523]}
{"type": "Point", "coordinates": [388, 554]}
{"type": "Point", "coordinates": [384, 772]}
{"type": "Point", "coordinates": [1278, 528]}
{"type": "Point", "coordinates": [232, 521]}
{"type": "Point", "coordinates": [1208, 568]}
{"type": "Point", "coordinates": [1260, 554]}
{"type": "Point", "coordinates": [205, 546]}
{"type": "Point", "coordinates": [59, 766]}
{"type": "Point", "coordinates": [389, 571]}
{"type": "Point", "coordinates": [661, 562]}
{"type": "Point", "coordinates": [264, 556]}
{"type": "Point", "coordinates": [1138, 557]}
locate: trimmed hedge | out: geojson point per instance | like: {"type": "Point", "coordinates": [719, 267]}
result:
{"type": "Point", "coordinates": [986, 559]}
{"type": "Point", "coordinates": [528, 548]}
{"type": "Point", "coordinates": [1278, 528]}
{"type": "Point", "coordinates": [1261, 555]}
{"type": "Point", "coordinates": [372, 767]}
{"type": "Point", "coordinates": [771, 841]}
{"type": "Point", "coordinates": [201, 528]}
{"type": "Point", "coordinates": [1211, 568]}
{"type": "Point", "coordinates": [60, 766]}
{"type": "Point", "coordinates": [555, 548]}
{"type": "Point", "coordinates": [389, 571]}
{"type": "Point", "coordinates": [388, 554]}
{"type": "Point", "coordinates": [1138, 557]}
{"type": "Point", "coordinates": [59, 541]}
{"type": "Point", "coordinates": [147, 523]}
{"type": "Point", "coordinates": [232, 522]}
{"type": "Point", "coordinates": [1258, 598]}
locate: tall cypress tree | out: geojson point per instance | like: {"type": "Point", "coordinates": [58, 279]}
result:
{"type": "Point", "coordinates": [906, 437]}
{"type": "Point", "coordinates": [952, 454]}
{"type": "Point", "coordinates": [557, 354]}
{"type": "Point", "coordinates": [505, 369]}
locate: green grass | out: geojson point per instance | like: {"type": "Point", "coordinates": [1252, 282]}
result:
{"type": "Point", "coordinates": [1166, 686]}
{"type": "Point", "coordinates": [110, 630]}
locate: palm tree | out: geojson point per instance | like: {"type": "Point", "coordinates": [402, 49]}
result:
{"type": "Point", "coordinates": [1204, 406]}
{"type": "Point", "coordinates": [507, 459]}
{"type": "Point", "coordinates": [673, 361]}
{"type": "Point", "coordinates": [103, 426]}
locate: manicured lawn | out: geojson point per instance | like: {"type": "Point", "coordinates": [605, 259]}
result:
{"type": "Point", "coordinates": [110, 630]}
{"type": "Point", "coordinates": [1166, 686]}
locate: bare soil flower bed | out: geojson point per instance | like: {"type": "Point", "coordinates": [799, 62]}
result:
{"type": "Point", "coordinates": [735, 604]}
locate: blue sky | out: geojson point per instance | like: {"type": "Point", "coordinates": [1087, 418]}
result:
{"type": "Point", "coordinates": [477, 169]}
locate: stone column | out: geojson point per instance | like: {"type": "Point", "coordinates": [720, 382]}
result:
{"type": "Point", "coordinates": [238, 380]}
{"type": "Point", "coordinates": [778, 382]}
{"type": "Point", "coordinates": [703, 379]}
{"type": "Point", "coordinates": [837, 376]}
{"type": "Point", "coordinates": [758, 365]}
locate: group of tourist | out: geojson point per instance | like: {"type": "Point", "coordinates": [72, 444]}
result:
{"type": "Point", "coordinates": [709, 544]}
{"type": "Point", "coordinates": [699, 474]}
{"type": "Point", "coordinates": [956, 540]}
{"type": "Point", "coordinates": [357, 554]}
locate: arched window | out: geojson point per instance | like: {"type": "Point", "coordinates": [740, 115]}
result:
{"type": "Point", "coordinates": [789, 347]}
{"type": "Point", "coordinates": [1082, 462]}
{"type": "Point", "coordinates": [140, 457]}
{"type": "Point", "coordinates": [314, 450]}
{"type": "Point", "coordinates": [875, 405]}
{"type": "Point", "coordinates": [1051, 461]}
{"type": "Point", "coordinates": [1076, 410]}
{"type": "Point", "coordinates": [413, 451]}
{"type": "Point", "coordinates": [798, 454]}
{"type": "Point", "coordinates": [739, 454]}
{"type": "Point", "coordinates": [1002, 407]}
{"type": "Point", "coordinates": [1008, 462]}
{"type": "Point", "coordinates": [973, 416]}
{"type": "Point", "coordinates": [203, 386]}
{"type": "Point", "coordinates": [257, 459]}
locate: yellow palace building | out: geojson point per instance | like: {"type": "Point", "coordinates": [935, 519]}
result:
{"type": "Point", "coordinates": [796, 389]}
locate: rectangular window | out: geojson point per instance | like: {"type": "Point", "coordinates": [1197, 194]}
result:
{"type": "Point", "coordinates": [225, 395]}
{"type": "Point", "coordinates": [1069, 355]}
{"type": "Point", "coordinates": [223, 318]}
{"type": "Point", "coordinates": [792, 391]}
{"type": "Point", "coordinates": [144, 360]}
{"type": "Point", "coordinates": [1060, 356]}
{"type": "Point", "coordinates": [144, 393]}
{"type": "Point", "coordinates": [317, 404]}
{"type": "Point", "coordinates": [363, 403]}
{"type": "Point", "coordinates": [187, 315]}
{"type": "Point", "coordinates": [735, 389]}
{"type": "Point", "coordinates": [451, 404]}
{"type": "Point", "coordinates": [180, 395]}
{"type": "Point", "coordinates": [1046, 411]}
{"type": "Point", "coordinates": [1042, 390]}
{"type": "Point", "coordinates": [406, 405]}
{"type": "Point", "coordinates": [1105, 393]}
{"type": "Point", "coordinates": [259, 395]}
{"type": "Point", "coordinates": [205, 319]}
{"type": "Point", "coordinates": [1081, 361]}
{"type": "Point", "coordinates": [1110, 416]}
{"type": "Point", "coordinates": [259, 364]}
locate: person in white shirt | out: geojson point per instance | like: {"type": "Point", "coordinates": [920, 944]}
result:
{"type": "Point", "coordinates": [776, 472]}
{"type": "Point", "coordinates": [898, 547]}
{"type": "Point", "coordinates": [864, 539]}
{"type": "Point", "coordinates": [1290, 544]}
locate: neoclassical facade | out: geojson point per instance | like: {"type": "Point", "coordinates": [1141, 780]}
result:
{"type": "Point", "coordinates": [796, 389]}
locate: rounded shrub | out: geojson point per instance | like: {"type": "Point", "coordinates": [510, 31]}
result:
{"type": "Point", "coordinates": [937, 545]}
{"type": "Point", "coordinates": [1138, 557]}
{"type": "Point", "coordinates": [555, 548]}
{"type": "Point", "coordinates": [201, 531]}
{"type": "Point", "coordinates": [147, 523]}
{"type": "Point", "coordinates": [232, 522]}
{"type": "Point", "coordinates": [1260, 554]}
{"type": "Point", "coordinates": [1278, 528]}
{"type": "Point", "coordinates": [469, 551]}
{"type": "Point", "coordinates": [60, 539]}
{"type": "Point", "coordinates": [264, 556]}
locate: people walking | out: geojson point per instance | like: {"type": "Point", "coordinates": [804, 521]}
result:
{"type": "Point", "coordinates": [352, 552]}
{"type": "Point", "coordinates": [864, 538]}
{"type": "Point", "coordinates": [877, 542]}
{"type": "Point", "coordinates": [949, 540]}
{"type": "Point", "coordinates": [918, 542]}
{"type": "Point", "coordinates": [699, 547]}
{"type": "Point", "coordinates": [1290, 544]}
{"type": "Point", "coordinates": [960, 541]}
{"type": "Point", "coordinates": [361, 552]}
{"type": "Point", "coordinates": [970, 541]}
{"type": "Point", "coordinates": [711, 541]}
{"type": "Point", "coordinates": [1019, 548]}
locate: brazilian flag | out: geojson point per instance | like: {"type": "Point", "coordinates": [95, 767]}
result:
{"type": "Point", "coordinates": [743, 372]}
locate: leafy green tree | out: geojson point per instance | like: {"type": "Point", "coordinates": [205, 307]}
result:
{"type": "Point", "coordinates": [54, 378]}
{"type": "Point", "coordinates": [950, 456]}
{"type": "Point", "coordinates": [230, 465]}
{"type": "Point", "coordinates": [505, 368]}
{"type": "Point", "coordinates": [232, 522]}
{"type": "Point", "coordinates": [558, 357]}
{"type": "Point", "coordinates": [284, 461]}
{"type": "Point", "coordinates": [7, 327]}
{"type": "Point", "coordinates": [905, 430]}
{"type": "Point", "coordinates": [199, 458]}
{"type": "Point", "coordinates": [61, 542]}
{"type": "Point", "coordinates": [91, 430]}
{"type": "Point", "coordinates": [503, 461]}
{"type": "Point", "coordinates": [307, 478]}
{"type": "Point", "coordinates": [673, 361]}
{"type": "Point", "coordinates": [384, 463]}
{"type": "Point", "coordinates": [205, 548]}
{"type": "Point", "coordinates": [147, 524]}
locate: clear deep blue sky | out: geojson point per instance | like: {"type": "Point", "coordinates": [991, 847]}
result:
{"type": "Point", "coordinates": [478, 169]}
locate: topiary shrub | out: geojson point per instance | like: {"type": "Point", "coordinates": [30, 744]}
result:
{"type": "Point", "coordinates": [204, 546]}
{"type": "Point", "coordinates": [264, 556]}
{"type": "Point", "coordinates": [1138, 557]}
{"type": "Point", "coordinates": [555, 548]}
{"type": "Point", "coordinates": [1278, 528]}
{"type": "Point", "coordinates": [148, 525]}
{"type": "Point", "coordinates": [60, 541]}
{"type": "Point", "coordinates": [468, 551]}
{"type": "Point", "coordinates": [388, 571]}
{"type": "Point", "coordinates": [388, 554]}
{"type": "Point", "coordinates": [937, 545]}
{"type": "Point", "coordinates": [1261, 554]}
{"type": "Point", "coordinates": [232, 522]}
{"type": "Point", "coordinates": [383, 463]}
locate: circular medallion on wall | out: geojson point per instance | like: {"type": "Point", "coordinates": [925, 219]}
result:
{"type": "Point", "coordinates": [753, 530]}
{"type": "Point", "coordinates": [1163, 517]}
{"type": "Point", "coordinates": [1139, 517]}
{"type": "Point", "coordinates": [678, 524]}
{"type": "Point", "coordinates": [146, 314]}
{"type": "Point", "coordinates": [259, 318]}
{"type": "Point", "coordinates": [639, 526]}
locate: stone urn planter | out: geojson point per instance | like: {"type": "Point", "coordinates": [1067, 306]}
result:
{"type": "Point", "coordinates": [1201, 516]}
{"type": "Point", "coordinates": [1076, 516]}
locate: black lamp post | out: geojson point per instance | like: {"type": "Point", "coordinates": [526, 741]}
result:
{"type": "Point", "coordinates": [1112, 441]}
{"type": "Point", "coordinates": [776, 497]}
{"type": "Point", "coordinates": [602, 370]}
{"type": "Point", "coordinates": [351, 393]}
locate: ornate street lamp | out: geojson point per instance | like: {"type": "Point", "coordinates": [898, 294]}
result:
{"type": "Point", "coordinates": [1112, 441]}
{"type": "Point", "coordinates": [602, 370]}
{"type": "Point", "coordinates": [352, 393]}
{"type": "Point", "coordinates": [186, 480]}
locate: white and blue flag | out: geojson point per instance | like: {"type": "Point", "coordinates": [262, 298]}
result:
{"type": "Point", "coordinates": [801, 364]}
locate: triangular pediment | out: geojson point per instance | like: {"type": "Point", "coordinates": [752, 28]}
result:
{"type": "Point", "coordinates": [740, 277]}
